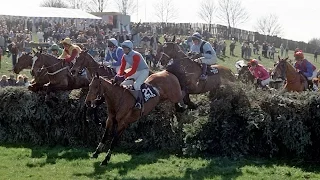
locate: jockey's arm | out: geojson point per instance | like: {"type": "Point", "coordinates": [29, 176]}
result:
{"type": "Point", "coordinates": [63, 55]}
{"type": "Point", "coordinates": [136, 61]}
{"type": "Point", "coordinates": [73, 56]}
{"type": "Point", "coordinates": [119, 57]}
{"type": "Point", "coordinates": [309, 70]}
{"type": "Point", "coordinates": [122, 66]}
{"type": "Point", "coordinates": [208, 52]}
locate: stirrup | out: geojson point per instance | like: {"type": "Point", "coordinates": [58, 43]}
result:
{"type": "Point", "coordinates": [203, 77]}
{"type": "Point", "coordinates": [138, 105]}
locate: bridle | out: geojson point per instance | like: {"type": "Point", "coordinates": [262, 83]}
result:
{"type": "Point", "coordinates": [100, 94]}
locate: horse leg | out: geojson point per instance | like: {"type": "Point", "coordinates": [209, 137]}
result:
{"type": "Point", "coordinates": [188, 102]}
{"type": "Point", "coordinates": [117, 131]}
{"type": "Point", "coordinates": [104, 138]}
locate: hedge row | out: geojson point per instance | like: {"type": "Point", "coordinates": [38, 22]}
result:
{"type": "Point", "coordinates": [233, 121]}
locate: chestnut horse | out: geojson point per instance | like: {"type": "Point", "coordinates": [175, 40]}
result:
{"type": "Point", "coordinates": [120, 104]}
{"type": "Point", "coordinates": [294, 80]}
{"type": "Point", "coordinates": [25, 62]}
{"type": "Point", "coordinates": [188, 72]}
{"type": "Point", "coordinates": [60, 77]}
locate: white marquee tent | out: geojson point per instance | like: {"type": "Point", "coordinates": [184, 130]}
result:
{"type": "Point", "coordinates": [46, 12]}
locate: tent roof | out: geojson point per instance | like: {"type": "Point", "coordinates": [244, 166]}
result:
{"type": "Point", "coordinates": [46, 12]}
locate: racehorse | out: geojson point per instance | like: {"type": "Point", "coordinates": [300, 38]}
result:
{"type": "Point", "coordinates": [157, 88]}
{"type": "Point", "coordinates": [244, 73]}
{"type": "Point", "coordinates": [60, 77]}
{"type": "Point", "coordinates": [294, 80]}
{"type": "Point", "coordinates": [188, 72]}
{"type": "Point", "coordinates": [85, 60]}
{"type": "Point", "coordinates": [24, 62]}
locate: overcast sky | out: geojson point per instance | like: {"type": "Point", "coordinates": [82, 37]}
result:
{"type": "Point", "coordinates": [298, 18]}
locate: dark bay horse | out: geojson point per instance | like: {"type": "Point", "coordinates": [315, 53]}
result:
{"type": "Point", "coordinates": [85, 60]}
{"type": "Point", "coordinates": [188, 72]}
{"type": "Point", "coordinates": [294, 80]}
{"type": "Point", "coordinates": [25, 62]}
{"type": "Point", "coordinates": [60, 77]}
{"type": "Point", "coordinates": [121, 103]}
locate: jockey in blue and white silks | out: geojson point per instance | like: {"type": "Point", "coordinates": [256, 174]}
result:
{"type": "Point", "coordinates": [208, 54]}
{"type": "Point", "coordinates": [113, 54]}
{"type": "Point", "coordinates": [304, 66]}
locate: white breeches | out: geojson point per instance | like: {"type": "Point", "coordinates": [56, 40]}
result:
{"type": "Point", "coordinates": [139, 78]}
{"type": "Point", "coordinates": [265, 82]}
{"type": "Point", "coordinates": [314, 74]}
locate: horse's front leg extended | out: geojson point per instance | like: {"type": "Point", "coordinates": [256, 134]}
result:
{"type": "Point", "coordinates": [104, 138]}
{"type": "Point", "coordinates": [188, 102]}
{"type": "Point", "coordinates": [117, 132]}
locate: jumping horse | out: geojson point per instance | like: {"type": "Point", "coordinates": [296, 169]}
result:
{"type": "Point", "coordinates": [158, 87]}
{"type": "Point", "coordinates": [25, 62]}
{"type": "Point", "coordinates": [189, 71]}
{"type": "Point", "coordinates": [60, 77]}
{"type": "Point", "coordinates": [294, 80]}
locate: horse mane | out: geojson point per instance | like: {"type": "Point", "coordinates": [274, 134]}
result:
{"type": "Point", "coordinates": [50, 55]}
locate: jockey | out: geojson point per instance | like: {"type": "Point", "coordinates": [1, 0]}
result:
{"type": "Point", "coordinates": [55, 50]}
{"type": "Point", "coordinates": [207, 52]}
{"type": "Point", "coordinates": [70, 52]}
{"type": "Point", "coordinates": [137, 75]}
{"type": "Point", "coordinates": [304, 67]}
{"type": "Point", "coordinates": [259, 72]}
{"type": "Point", "coordinates": [114, 54]}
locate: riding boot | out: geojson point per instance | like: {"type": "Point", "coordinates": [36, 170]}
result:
{"type": "Point", "coordinates": [204, 72]}
{"type": "Point", "coordinates": [138, 97]}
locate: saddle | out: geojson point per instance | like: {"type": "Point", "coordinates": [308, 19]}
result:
{"type": "Point", "coordinates": [212, 70]}
{"type": "Point", "coordinates": [146, 93]}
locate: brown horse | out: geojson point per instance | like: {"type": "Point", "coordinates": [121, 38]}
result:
{"type": "Point", "coordinates": [294, 80]}
{"type": "Point", "coordinates": [85, 60]}
{"type": "Point", "coordinates": [188, 72]}
{"type": "Point", "coordinates": [25, 62]}
{"type": "Point", "coordinates": [60, 77]}
{"type": "Point", "coordinates": [120, 103]}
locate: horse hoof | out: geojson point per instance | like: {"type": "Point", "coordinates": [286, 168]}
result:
{"type": "Point", "coordinates": [95, 155]}
{"type": "Point", "coordinates": [104, 163]}
{"type": "Point", "coordinates": [192, 106]}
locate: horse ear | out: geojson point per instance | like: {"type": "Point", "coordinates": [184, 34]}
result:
{"type": "Point", "coordinates": [287, 58]}
{"type": "Point", "coordinates": [279, 57]}
{"type": "Point", "coordinates": [173, 39]}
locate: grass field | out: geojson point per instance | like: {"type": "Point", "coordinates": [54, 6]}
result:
{"type": "Point", "coordinates": [23, 162]}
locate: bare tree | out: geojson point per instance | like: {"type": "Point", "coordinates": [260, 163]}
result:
{"type": "Point", "coordinates": [232, 13]}
{"type": "Point", "coordinates": [315, 41]}
{"type": "Point", "coordinates": [96, 5]}
{"type": "Point", "coordinates": [165, 10]}
{"type": "Point", "coordinates": [269, 25]}
{"type": "Point", "coordinates": [206, 11]}
{"type": "Point", "coordinates": [77, 4]}
{"type": "Point", "coordinates": [54, 3]}
{"type": "Point", "coordinates": [126, 7]}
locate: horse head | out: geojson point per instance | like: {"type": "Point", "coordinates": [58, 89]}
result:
{"type": "Point", "coordinates": [24, 61]}
{"type": "Point", "coordinates": [95, 91]}
{"type": "Point", "coordinates": [168, 51]}
{"type": "Point", "coordinates": [280, 69]}
{"type": "Point", "coordinates": [80, 62]}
